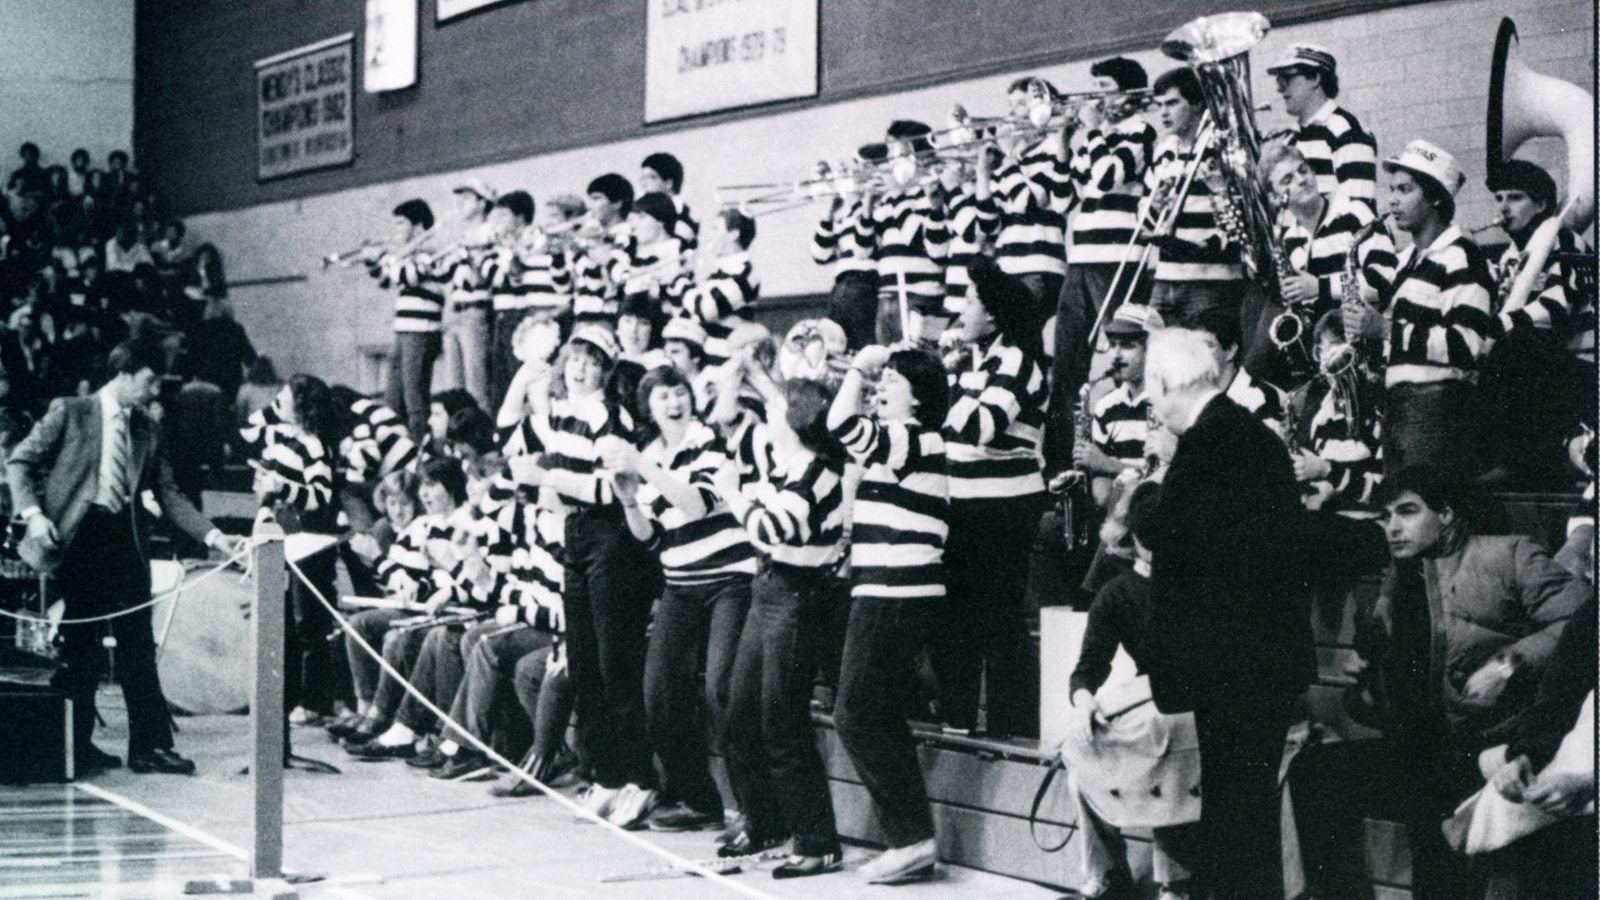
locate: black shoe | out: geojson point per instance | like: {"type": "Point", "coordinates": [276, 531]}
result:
{"type": "Point", "coordinates": [464, 766]}
{"type": "Point", "coordinates": [805, 866]}
{"type": "Point", "coordinates": [160, 762]}
{"type": "Point", "coordinates": [345, 726]}
{"type": "Point", "coordinates": [373, 751]}
{"type": "Point", "coordinates": [427, 758]}
{"type": "Point", "coordinates": [745, 845]}
{"type": "Point", "coordinates": [90, 758]}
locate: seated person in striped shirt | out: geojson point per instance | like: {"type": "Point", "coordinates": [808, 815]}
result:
{"type": "Point", "coordinates": [1121, 417]}
{"type": "Point", "coordinates": [683, 343]}
{"type": "Point", "coordinates": [1343, 155]}
{"type": "Point", "coordinates": [663, 173]}
{"type": "Point", "coordinates": [1335, 449]}
{"type": "Point", "coordinates": [671, 505]}
{"type": "Point", "coordinates": [1536, 384]}
{"type": "Point", "coordinates": [1198, 266]}
{"type": "Point", "coordinates": [1441, 325]}
{"type": "Point", "coordinates": [795, 518]}
{"type": "Point", "coordinates": [899, 524]}
{"type": "Point", "coordinates": [1221, 329]}
{"type": "Point", "coordinates": [726, 296]}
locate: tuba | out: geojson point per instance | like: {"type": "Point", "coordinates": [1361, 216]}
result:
{"type": "Point", "coordinates": [1522, 105]}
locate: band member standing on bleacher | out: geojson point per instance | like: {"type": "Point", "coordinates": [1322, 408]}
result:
{"type": "Point", "coordinates": [1440, 325]}
{"type": "Point", "coordinates": [1199, 266]}
{"type": "Point", "coordinates": [1342, 154]}
{"type": "Point", "coordinates": [1108, 168]}
{"type": "Point", "coordinates": [853, 302]}
{"type": "Point", "coordinates": [662, 173]}
{"type": "Point", "coordinates": [465, 328]}
{"type": "Point", "coordinates": [77, 479]}
{"type": "Point", "coordinates": [911, 239]}
{"type": "Point", "coordinates": [1033, 188]}
{"type": "Point", "coordinates": [594, 297]}
{"type": "Point", "coordinates": [418, 310]}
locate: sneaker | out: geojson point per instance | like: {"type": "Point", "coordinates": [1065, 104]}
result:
{"type": "Point", "coordinates": [302, 716]}
{"type": "Point", "coordinates": [464, 766]}
{"type": "Point", "coordinates": [427, 758]}
{"type": "Point", "coordinates": [735, 827]}
{"type": "Point", "coordinates": [512, 785]}
{"type": "Point", "coordinates": [1094, 886]}
{"type": "Point", "coordinates": [806, 866]}
{"type": "Point", "coordinates": [747, 845]}
{"type": "Point", "coordinates": [597, 801]}
{"type": "Point", "coordinates": [631, 807]}
{"type": "Point", "coordinates": [901, 864]}
{"type": "Point", "coordinates": [373, 751]}
{"type": "Point", "coordinates": [680, 817]}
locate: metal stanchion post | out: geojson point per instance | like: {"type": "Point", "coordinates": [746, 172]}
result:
{"type": "Point", "coordinates": [266, 707]}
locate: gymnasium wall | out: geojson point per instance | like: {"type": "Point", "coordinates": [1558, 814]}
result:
{"type": "Point", "coordinates": [66, 78]}
{"type": "Point", "coordinates": [1413, 70]}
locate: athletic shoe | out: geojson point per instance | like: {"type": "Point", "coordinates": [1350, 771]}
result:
{"type": "Point", "coordinates": [679, 817]}
{"type": "Point", "coordinates": [597, 801]}
{"type": "Point", "coordinates": [734, 828]}
{"type": "Point", "coordinates": [806, 866]}
{"type": "Point", "coordinates": [464, 766]}
{"type": "Point", "coordinates": [746, 845]}
{"type": "Point", "coordinates": [630, 808]}
{"type": "Point", "coordinates": [901, 864]}
{"type": "Point", "coordinates": [302, 716]}
{"type": "Point", "coordinates": [372, 751]}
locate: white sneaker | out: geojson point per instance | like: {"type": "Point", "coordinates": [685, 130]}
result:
{"type": "Point", "coordinates": [1169, 892]}
{"type": "Point", "coordinates": [901, 864]}
{"type": "Point", "coordinates": [632, 806]}
{"type": "Point", "coordinates": [597, 801]}
{"type": "Point", "coordinates": [1095, 886]}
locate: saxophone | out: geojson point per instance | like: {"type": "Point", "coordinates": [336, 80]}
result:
{"type": "Point", "coordinates": [1075, 500]}
{"type": "Point", "coordinates": [1357, 315]}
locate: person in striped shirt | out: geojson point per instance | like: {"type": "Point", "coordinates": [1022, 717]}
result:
{"type": "Point", "coordinates": [907, 228]}
{"type": "Point", "coordinates": [1535, 387]}
{"type": "Point", "coordinates": [653, 262]}
{"type": "Point", "coordinates": [1033, 188]}
{"type": "Point", "coordinates": [418, 309]}
{"type": "Point", "coordinates": [853, 300]}
{"type": "Point", "coordinates": [1223, 334]}
{"type": "Point", "coordinates": [974, 221]}
{"type": "Point", "coordinates": [1336, 451]}
{"type": "Point", "coordinates": [1440, 321]}
{"type": "Point", "coordinates": [1198, 265]}
{"type": "Point", "coordinates": [1108, 165]}
{"type": "Point", "coordinates": [899, 524]}
{"type": "Point", "coordinates": [1316, 232]}
{"type": "Point", "coordinates": [594, 296]}
{"type": "Point", "coordinates": [726, 296]}
{"type": "Point", "coordinates": [671, 504]}
{"type": "Point", "coordinates": [663, 173]}
{"type": "Point", "coordinates": [1343, 155]}
{"type": "Point", "coordinates": [992, 439]}
{"type": "Point", "coordinates": [795, 518]}
{"type": "Point", "coordinates": [610, 578]}
{"type": "Point", "coordinates": [1120, 419]}
{"type": "Point", "coordinates": [501, 271]}
{"type": "Point", "coordinates": [465, 324]}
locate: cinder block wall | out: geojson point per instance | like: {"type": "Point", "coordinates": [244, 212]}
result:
{"type": "Point", "coordinates": [1416, 70]}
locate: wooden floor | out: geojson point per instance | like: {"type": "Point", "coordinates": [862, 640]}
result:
{"type": "Point", "coordinates": [381, 830]}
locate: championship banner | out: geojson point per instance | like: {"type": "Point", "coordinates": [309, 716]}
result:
{"type": "Point", "coordinates": [707, 55]}
{"type": "Point", "coordinates": [389, 48]}
{"type": "Point", "coordinates": [303, 108]}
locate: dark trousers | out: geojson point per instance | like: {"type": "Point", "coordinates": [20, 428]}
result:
{"type": "Point", "coordinates": [1432, 424]}
{"type": "Point", "coordinates": [1336, 786]}
{"type": "Point", "coordinates": [1241, 740]}
{"type": "Point", "coordinates": [373, 627]}
{"type": "Point", "coordinates": [401, 649]}
{"type": "Point", "coordinates": [101, 572]}
{"type": "Point", "coordinates": [773, 763]}
{"type": "Point", "coordinates": [1554, 863]}
{"type": "Point", "coordinates": [409, 391]}
{"type": "Point", "coordinates": [491, 663]}
{"type": "Point", "coordinates": [311, 680]}
{"type": "Point", "coordinates": [853, 303]}
{"type": "Point", "coordinates": [982, 627]}
{"type": "Point", "coordinates": [610, 581]}
{"type": "Point", "coordinates": [547, 697]}
{"type": "Point", "coordinates": [877, 684]}
{"type": "Point", "coordinates": [1533, 394]}
{"type": "Point", "coordinates": [1083, 292]}
{"type": "Point", "coordinates": [1178, 301]}
{"type": "Point", "coordinates": [696, 629]}
{"type": "Point", "coordinates": [503, 363]}
{"type": "Point", "coordinates": [437, 673]}
{"type": "Point", "coordinates": [1046, 290]}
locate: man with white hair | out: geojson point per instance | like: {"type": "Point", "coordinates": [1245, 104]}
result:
{"type": "Point", "coordinates": [1230, 630]}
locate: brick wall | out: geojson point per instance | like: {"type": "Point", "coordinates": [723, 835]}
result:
{"type": "Point", "coordinates": [1416, 70]}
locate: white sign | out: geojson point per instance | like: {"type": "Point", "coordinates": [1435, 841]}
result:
{"type": "Point", "coordinates": [450, 9]}
{"type": "Point", "coordinates": [303, 108]}
{"type": "Point", "coordinates": [390, 48]}
{"type": "Point", "coordinates": [706, 55]}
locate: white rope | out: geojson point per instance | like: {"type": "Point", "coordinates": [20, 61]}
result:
{"type": "Point", "coordinates": [687, 865]}
{"type": "Point", "coordinates": [25, 617]}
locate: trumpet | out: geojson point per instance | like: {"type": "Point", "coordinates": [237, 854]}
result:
{"type": "Point", "coordinates": [840, 181]}
{"type": "Point", "coordinates": [1497, 223]}
{"type": "Point", "coordinates": [352, 256]}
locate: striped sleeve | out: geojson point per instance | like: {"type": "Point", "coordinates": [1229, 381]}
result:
{"type": "Point", "coordinates": [980, 418]}
{"type": "Point", "coordinates": [727, 291]}
{"type": "Point", "coordinates": [1441, 326]}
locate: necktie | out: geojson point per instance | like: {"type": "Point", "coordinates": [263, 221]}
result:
{"type": "Point", "coordinates": [117, 485]}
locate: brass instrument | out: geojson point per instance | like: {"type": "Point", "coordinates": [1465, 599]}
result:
{"type": "Point", "coordinates": [1489, 226]}
{"type": "Point", "coordinates": [1522, 105]}
{"type": "Point", "coordinates": [352, 256]}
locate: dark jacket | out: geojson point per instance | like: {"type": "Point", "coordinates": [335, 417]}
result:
{"type": "Point", "coordinates": [57, 468]}
{"type": "Point", "coordinates": [1229, 604]}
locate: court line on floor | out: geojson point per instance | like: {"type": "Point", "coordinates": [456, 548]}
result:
{"type": "Point", "coordinates": [189, 831]}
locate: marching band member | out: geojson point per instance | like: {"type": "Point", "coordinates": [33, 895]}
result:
{"type": "Point", "coordinates": [992, 436]}
{"type": "Point", "coordinates": [1120, 419]}
{"type": "Point", "coordinates": [1336, 451]}
{"type": "Point", "coordinates": [652, 261]}
{"type": "Point", "coordinates": [594, 295]}
{"type": "Point", "coordinates": [1108, 166]}
{"type": "Point", "coordinates": [1222, 333]}
{"type": "Point", "coordinates": [1526, 196]}
{"type": "Point", "coordinates": [853, 301]}
{"type": "Point", "coordinates": [464, 330]}
{"type": "Point", "coordinates": [418, 310]}
{"type": "Point", "coordinates": [974, 222]}
{"type": "Point", "coordinates": [732, 287]}
{"type": "Point", "coordinates": [910, 237]}
{"type": "Point", "coordinates": [501, 269]}
{"type": "Point", "coordinates": [1343, 155]}
{"type": "Point", "coordinates": [663, 173]}
{"type": "Point", "coordinates": [1441, 325]}
{"type": "Point", "coordinates": [1199, 266]}
{"type": "Point", "coordinates": [1033, 188]}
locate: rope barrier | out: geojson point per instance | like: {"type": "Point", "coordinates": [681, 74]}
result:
{"type": "Point", "coordinates": [25, 617]}
{"type": "Point", "coordinates": [687, 865]}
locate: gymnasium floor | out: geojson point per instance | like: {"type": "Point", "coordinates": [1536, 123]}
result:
{"type": "Point", "coordinates": [380, 830]}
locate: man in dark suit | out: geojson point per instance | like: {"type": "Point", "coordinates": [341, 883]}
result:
{"type": "Point", "coordinates": [77, 479]}
{"type": "Point", "coordinates": [1230, 628]}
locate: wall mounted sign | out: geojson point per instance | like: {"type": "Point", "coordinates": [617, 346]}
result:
{"type": "Point", "coordinates": [304, 114]}
{"type": "Point", "coordinates": [708, 55]}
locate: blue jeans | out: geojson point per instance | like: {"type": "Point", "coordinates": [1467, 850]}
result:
{"type": "Point", "coordinates": [773, 762]}
{"type": "Point", "coordinates": [694, 624]}
{"type": "Point", "coordinates": [410, 387]}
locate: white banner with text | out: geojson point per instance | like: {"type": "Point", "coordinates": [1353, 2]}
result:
{"type": "Point", "coordinates": [303, 108]}
{"type": "Point", "coordinates": [708, 55]}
